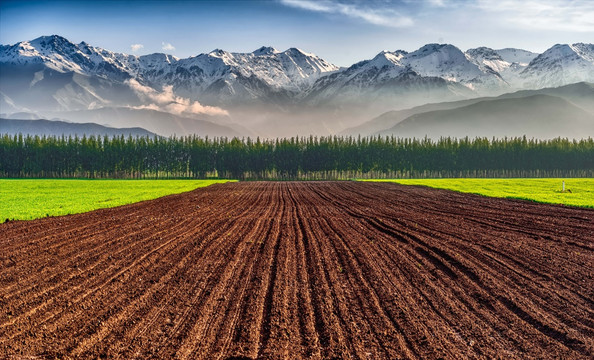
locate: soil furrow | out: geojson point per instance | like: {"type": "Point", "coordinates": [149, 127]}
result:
{"type": "Point", "coordinates": [291, 270]}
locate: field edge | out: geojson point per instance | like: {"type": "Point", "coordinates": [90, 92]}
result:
{"type": "Point", "coordinates": [586, 201]}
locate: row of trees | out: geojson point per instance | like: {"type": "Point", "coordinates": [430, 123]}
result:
{"type": "Point", "coordinates": [294, 158]}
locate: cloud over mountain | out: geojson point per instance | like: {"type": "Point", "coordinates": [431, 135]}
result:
{"type": "Point", "coordinates": [136, 47]}
{"type": "Point", "coordinates": [167, 101]}
{"type": "Point", "coordinates": [167, 46]}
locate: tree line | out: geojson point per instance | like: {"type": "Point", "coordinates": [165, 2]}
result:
{"type": "Point", "coordinates": [330, 157]}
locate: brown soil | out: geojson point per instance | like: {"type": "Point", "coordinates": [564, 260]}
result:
{"type": "Point", "coordinates": [302, 270]}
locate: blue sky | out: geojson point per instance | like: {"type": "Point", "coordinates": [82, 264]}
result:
{"type": "Point", "coordinates": [340, 31]}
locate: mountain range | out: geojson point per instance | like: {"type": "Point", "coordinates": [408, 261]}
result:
{"type": "Point", "coordinates": [266, 92]}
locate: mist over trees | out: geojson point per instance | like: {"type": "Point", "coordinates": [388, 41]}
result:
{"type": "Point", "coordinates": [291, 158]}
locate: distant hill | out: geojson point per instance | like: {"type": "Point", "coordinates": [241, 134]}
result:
{"type": "Point", "coordinates": [159, 122]}
{"type": "Point", "coordinates": [59, 128]}
{"type": "Point", "coordinates": [579, 94]}
{"type": "Point", "coordinates": [539, 116]}
{"type": "Point", "coordinates": [390, 118]}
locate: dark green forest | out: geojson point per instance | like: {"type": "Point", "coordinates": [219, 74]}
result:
{"type": "Point", "coordinates": [292, 158]}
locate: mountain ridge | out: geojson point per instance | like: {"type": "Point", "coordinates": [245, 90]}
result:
{"type": "Point", "coordinates": [580, 94]}
{"type": "Point", "coordinates": [267, 88]}
{"type": "Point", "coordinates": [295, 71]}
{"type": "Point", "coordinates": [541, 116]}
{"type": "Point", "coordinates": [44, 127]}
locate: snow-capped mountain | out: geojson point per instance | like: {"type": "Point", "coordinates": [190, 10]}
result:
{"type": "Point", "coordinates": [218, 75]}
{"type": "Point", "coordinates": [507, 63]}
{"type": "Point", "coordinates": [521, 69]}
{"type": "Point", "coordinates": [268, 75]}
{"type": "Point", "coordinates": [51, 73]}
{"type": "Point", "coordinates": [501, 60]}
{"type": "Point", "coordinates": [560, 65]}
{"type": "Point", "coordinates": [56, 53]}
{"type": "Point", "coordinates": [450, 63]}
{"type": "Point", "coordinates": [435, 72]}
{"type": "Point", "coordinates": [518, 56]}
{"type": "Point", "coordinates": [225, 78]}
{"type": "Point", "coordinates": [385, 78]}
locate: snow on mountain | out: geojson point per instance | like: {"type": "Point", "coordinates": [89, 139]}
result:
{"type": "Point", "coordinates": [60, 72]}
{"type": "Point", "coordinates": [436, 70]}
{"type": "Point", "coordinates": [444, 61]}
{"type": "Point", "coordinates": [265, 50]}
{"type": "Point", "coordinates": [253, 75]}
{"type": "Point", "coordinates": [433, 60]}
{"type": "Point", "coordinates": [156, 62]}
{"type": "Point", "coordinates": [386, 65]}
{"type": "Point", "coordinates": [487, 58]}
{"type": "Point", "coordinates": [560, 65]}
{"type": "Point", "coordinates": [519, 56]}
{"type": "Point", "coordinates": [261, 73]}
{"type": "Point", "coordinates": [360, 79]}
{"type": "Point", "coordinates": [508, 63]}
{"type": "Point", "coordinates": [54, 52]}
{"type": "Point", "coordinates": [57, 53]}
{"type": "Point", "coordinates": [585, 51]}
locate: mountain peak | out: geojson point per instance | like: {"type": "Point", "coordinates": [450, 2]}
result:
{"type": "Point", "coordinates": [560, 65]}
{"type": "Point", "coordinates": [577, 49]}
{"type": "Point", "coordinates": [395, 53]}
{"type": "Point", "coordinates": [442, 51]}
{"type": "Point", "coordinates": [555, 53]}
{"type": "Point", "coordinates": [54, 41]}
{"type": "Point", "coordinates": [388, 58]}
{"type": "Point", "coordinates": [265, 50]}
{"type": "Point", "coordinates": [484, 53]}
{"type": "Point", "coordinates": [51, 38]}
{"type": "Point", "coordinates": [511, 55]}
{"type": "Point", "coordinates": [439, 53]}
{"type": "Point", "coordinates": [158, 57]}
{"type": "Point", "coordinates": [561, 47]}
{"type": "Point", "coordinates": [433, 47]}
{"type": "Point", "coordinates": [217, 53]}
{"type": "Point", "coordinates": [298, 52]}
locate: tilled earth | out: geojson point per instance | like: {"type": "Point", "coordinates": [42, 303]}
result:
{"type": "Point", "coordinates": [302, 270]}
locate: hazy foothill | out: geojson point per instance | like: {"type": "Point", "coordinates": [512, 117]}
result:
{"type": "Point", "coordinates": [434, 200]}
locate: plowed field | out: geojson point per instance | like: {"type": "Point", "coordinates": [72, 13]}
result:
{"type": "Point", "coordinates": [302, 270]}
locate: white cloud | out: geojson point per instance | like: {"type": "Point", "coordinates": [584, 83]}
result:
{"type": "Point", "coordinates": [560, 15]}
{"type": "Point", "coordinates": [136, 47]}
{"type": "Point", "coordinates": [167, 46]}
{"type": "Point", "coordinates": [167, 101]}
{"type": "Point", "coordinates": [377, 16]}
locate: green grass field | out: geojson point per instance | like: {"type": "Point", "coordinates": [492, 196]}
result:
{"type": "Point", "coordinates": [539, 190]}
{"type": "Point", "coordinates": [33, 199]}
